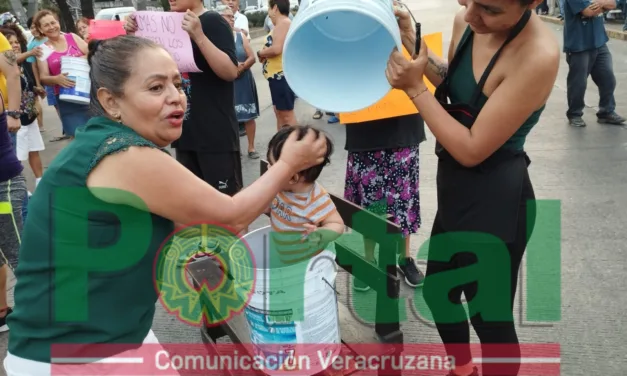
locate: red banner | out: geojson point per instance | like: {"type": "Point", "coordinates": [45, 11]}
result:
{"type": "Point", "coordinates": [291, 359]}
{"type": "Point", "coordinates": [105, 29]}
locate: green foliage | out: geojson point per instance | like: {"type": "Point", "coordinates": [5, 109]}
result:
{"type": "Point", "coordinates": [5, 6]}
{"type": "Point", "coordinates": [47, 4]}
{"type": "Point", "coordinates": [256, 19]}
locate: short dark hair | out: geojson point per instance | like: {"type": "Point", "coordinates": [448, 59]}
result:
{"type": "Point", "coordinates": [275, 146]}
{"type": "Point", "coordinates": [8, 32]}
{"type": "Point", "coordinates": [110, 63]}
{"type": "Point", "coordinates": [282, 5]}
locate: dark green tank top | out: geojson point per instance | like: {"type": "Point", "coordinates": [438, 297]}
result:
{"type": "Point", "coordinates": [462, 85]}
{"type": "Point", "coordinates": [86, 266]}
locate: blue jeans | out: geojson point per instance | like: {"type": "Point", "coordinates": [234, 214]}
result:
{"type": "Point", "coordinates": [25, 202]}
{"type": "Point", "coordinates": [561, 5]}
{"type": "Point", "coordinates": [596, 63]}
{"type": "Point", "coordinates": [73, 116]}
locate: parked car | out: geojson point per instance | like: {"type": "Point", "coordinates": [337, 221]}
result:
{"type": "Point", "coordinates": [115, 14]}
{"type": "Point", "coordinates": [250, 9]}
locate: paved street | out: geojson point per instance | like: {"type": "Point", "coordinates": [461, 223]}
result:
{"type": "Point", "coordinates": [583, 168]}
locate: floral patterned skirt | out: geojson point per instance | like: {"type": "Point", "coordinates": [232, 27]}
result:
{"type": "Point", "coordinates": [386, 182]}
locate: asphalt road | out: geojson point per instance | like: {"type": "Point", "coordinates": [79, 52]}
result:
{"type": "Point", "coordinates": [582, 168]}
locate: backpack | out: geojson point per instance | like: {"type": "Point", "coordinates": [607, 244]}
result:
{"type": "Point", "coordinates": [29, 98]}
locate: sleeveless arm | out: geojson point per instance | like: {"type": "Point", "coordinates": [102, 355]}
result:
{"type": "Point", "coordinates": [507, 108]}
{"type": "Point", "coordinates": [117, 143]}
{"type": "Point", "coordinates": [81, 44]}
{"type": "Point", "coordinates": [217, 45]}
{"type": "Point", "coordinates": [278, 40]}
{"type": "Point", "coordinates": [437, 67]}
{"type": "Point", "coordinates": [44, 74]}
{"type": "Point", "coordinates": [166, 188]}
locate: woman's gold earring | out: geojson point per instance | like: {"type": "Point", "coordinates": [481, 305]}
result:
{"type": "Point", "coordinates": [118, 118]}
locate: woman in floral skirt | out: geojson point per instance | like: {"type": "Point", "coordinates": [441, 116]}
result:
{"type": "Point", "coordinates": [382, 175]}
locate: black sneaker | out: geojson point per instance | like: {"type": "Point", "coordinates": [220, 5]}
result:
{"type": "Point", "coordinates": [359, 285]}
{"type": "Point", "coordinates": [413, 276]}
{"type": "Point", "coordinates": [3, 321]}
{"type": "Point", "coordinates": [611, 118]}
{"type": "Point", "coordinates": [475, 372]}
{"type": "Point", "coordinates": [577, 122]}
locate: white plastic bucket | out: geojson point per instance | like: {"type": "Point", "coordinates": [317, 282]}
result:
{"type": "Point", "coordinates": [336, 52]}
{"type": "Point", "coordinates": [279, 295]}
{"type": "Point", "coordinates": [77, 70]}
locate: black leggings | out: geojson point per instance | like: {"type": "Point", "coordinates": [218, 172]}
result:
{"type": "Point", "coordinates": [455, 333]}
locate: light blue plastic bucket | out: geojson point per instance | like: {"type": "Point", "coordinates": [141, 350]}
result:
{"type": "Point", "coordinates": [336, 52]}
{"type": "Point", "coordinates": [292, 310]}
{"type": "Point", "coordinates": [77, 70]}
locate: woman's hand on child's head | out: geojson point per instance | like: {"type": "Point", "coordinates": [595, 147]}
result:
{"type": "Point", "coordinates": [304, 153]}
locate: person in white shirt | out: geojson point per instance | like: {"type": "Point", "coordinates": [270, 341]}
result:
{"type": "Point", "coordinates": [241, 21]}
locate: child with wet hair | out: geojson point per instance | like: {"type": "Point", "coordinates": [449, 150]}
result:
{"type": "Point", "coordinates": [303, 217]}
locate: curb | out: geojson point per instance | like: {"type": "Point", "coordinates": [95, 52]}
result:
{"type": "Point", "coordinates": [614, 34]}
{"type": "Point", "coordinates": [257, 33]}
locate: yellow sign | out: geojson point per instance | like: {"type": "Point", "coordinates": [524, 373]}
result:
{"type": "Point", "coordinates": [396, 102]}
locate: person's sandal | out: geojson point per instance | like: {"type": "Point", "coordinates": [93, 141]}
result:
{"type": "Point", "coordinates": [317, 115]}
{"type": "Point", "coordinates": [253, 155]}
{"type": "Point", "coordinates": [61, 138]}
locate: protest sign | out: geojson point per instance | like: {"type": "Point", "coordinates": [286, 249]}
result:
{"type": "Point", "coordinates": [396, 102]}
{"type": "Point", "coordinates": [164, 28]}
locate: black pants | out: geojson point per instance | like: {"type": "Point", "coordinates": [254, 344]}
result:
{"type": "Point", "coordinates": [455, 334]}
{"type": "Point", "coordinates": [222, 170]}
{"type": "Point", "coordinates": [596, 63]}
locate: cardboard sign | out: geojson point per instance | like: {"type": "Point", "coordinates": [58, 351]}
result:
{"type": "Point", "coordinates": [396, 102]}
{"type": "Point", "coordinates": [105, 29]}
{"type": "Point", "coordinates": [164, 28]}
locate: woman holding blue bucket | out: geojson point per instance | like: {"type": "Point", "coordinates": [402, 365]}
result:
{"type": "Point", "coordinates": [481, 113]}
{"type": "Point", "coordinates": [73, 115]}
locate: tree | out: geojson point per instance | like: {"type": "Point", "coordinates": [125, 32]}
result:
{"type": "Point", "coordinates": [87, 8]}
{"type": "Point", "coordinates": [67, 21]}
{"type": "Point", "coordinates": [5, 6]}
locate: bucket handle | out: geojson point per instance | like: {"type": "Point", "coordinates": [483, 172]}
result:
{"type": "Point", "coordinates": [331, 286]}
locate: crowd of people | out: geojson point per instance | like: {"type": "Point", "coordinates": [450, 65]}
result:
{"type": "Point", "coordinates": [117, 162]}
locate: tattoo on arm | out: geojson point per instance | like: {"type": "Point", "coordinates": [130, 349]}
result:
{"type": "Point", "coordinates": [438, 68]}
{"type": "Point", "coordinates": [10, 57]}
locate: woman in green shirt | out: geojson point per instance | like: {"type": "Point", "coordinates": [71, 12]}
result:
{"type": "Point", "coordinates": [107, 203]}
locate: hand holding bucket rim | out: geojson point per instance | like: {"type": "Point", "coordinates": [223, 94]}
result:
{"type": "Point", "coordinates": [408, 75]}
{"type": "Point", "coordinates": [400, 73]}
